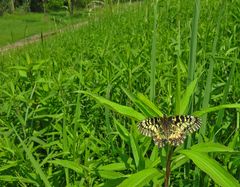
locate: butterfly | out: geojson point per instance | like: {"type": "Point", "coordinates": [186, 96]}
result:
{"type": "Point", "coordinates": [169, 129]}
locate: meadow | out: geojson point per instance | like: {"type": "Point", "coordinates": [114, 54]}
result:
{"type": "Point", "coordinates": [19, 25]}
{"type": "Point", "coordinates": [70, 105]}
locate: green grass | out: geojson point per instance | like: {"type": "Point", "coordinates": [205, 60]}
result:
{"type": "Point", "coordinates": [69, 106]}
{"type": "Point", "coordinates": [14, 27]}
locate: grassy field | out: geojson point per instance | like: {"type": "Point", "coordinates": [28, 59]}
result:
{"type": "Point", "coordinates": [19, 25]}
{"type": "Point", "coordinates": [70, 105]}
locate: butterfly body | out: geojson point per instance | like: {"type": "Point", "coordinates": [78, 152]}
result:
{"type": "Point", "coordinates": [171, 129]}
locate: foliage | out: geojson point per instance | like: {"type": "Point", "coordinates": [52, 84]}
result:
{"type": "Point", "coordinates": [53, 132]}
{"type": "Point", "coordinates": [3, 7]}
{"type": "Point", "coordinates": [55, 5]}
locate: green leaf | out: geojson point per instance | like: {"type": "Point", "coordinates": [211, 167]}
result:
{"type": "Point", "coordinates": [178, 161]}
{"type": "Point", "coordinates": [110, 174]}
{"type": "Point", "coordinates": [234, 140]}
{"type": "Point", "coordinates": [154, 109]}
{"type": "Point", "coordinates": [68, 164]}
{"type": "Point", "coordinates": [186, 96]}
{"type": "Point", "coordinates": [212, 168]}
{"type": "Point", "coordinates": [212, 147]}
{"type": "Point", "coordinates": [10, 178]}
{"type": "Point", "coordinates": [22, 73]}
{"type": "Point", "coordinates": [9, 165]}
{"type": "Point", "coordinates": [144, 104]}
{"type": "Point", "coordinates": [135, 150]}
{"type": "Point", "coordinates": [140, 178]}
{"type": "Point", "coordinates": [33, 161]}
{"type": "Point", "coordinates": [113, 167]}
{"type": "Point", "coordinates": [212, 109]}
{"type": "Point", "coordinates": [123, 132]}
{"type": "Point", "coordinates": [124, 110]}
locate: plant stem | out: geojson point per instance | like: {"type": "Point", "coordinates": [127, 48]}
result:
{"type": "Point", "coordinates": [168, 166]}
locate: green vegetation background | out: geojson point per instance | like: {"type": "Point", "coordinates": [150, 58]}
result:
{"type": "Point", "coordinates": [54, 133]}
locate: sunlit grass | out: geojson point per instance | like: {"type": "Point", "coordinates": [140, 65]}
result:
{"type": "Point", "coordinates": [14, 27]}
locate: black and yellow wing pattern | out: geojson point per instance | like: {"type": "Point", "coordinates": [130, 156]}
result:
{"type": "Point", "coordinates": [169, 130]}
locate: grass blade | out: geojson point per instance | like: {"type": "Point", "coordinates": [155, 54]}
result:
{"type": "Point", "coordinates": [208, 86]}
{"type": "Point", "coordinates": [33, 161]}
{"type": "Point", "coordinates": [187, 96]}
{"type": "Point", "coordinates": [225, 94]}
{"type": "Point", "coordinates": [135, 151]}
{"type": "Point", "coordinates": [153, 53]}
{"type": "Point", "coordinates": [123, 132]}
{"type": "Point", "coordinates": [193, 45]}
{"type": "Point", "coordinates": [212, 109]}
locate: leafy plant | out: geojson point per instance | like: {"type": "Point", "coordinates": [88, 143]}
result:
{"type": "Point", "coordinates": [196, 153]}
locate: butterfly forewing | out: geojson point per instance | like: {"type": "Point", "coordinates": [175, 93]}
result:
{"type": "Point", "coordinates": [149, 127]}
{"type": "Point", "coordinates": [187, 123]}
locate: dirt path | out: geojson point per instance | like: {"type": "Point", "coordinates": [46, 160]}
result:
{"type": "Point", "coordinates": [38, 37]}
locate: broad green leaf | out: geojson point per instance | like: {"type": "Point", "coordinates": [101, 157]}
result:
{"type": "Point", "coordinates": [212, 109]}
{"type": "Point", "coordinates": [212, 147]}
{"type": "Point", "coordinates": [110, 174]}
{"type": "Point", "coordinates": [186, 96]}
{"type": "Point", "coordinates": [143, 107]}
{"type": "Point", "coordinates": [113, 167]}
{"type": "Point", "coordinates": [124, 110]}
{"type": "Point", "coordinates": [140, 178]}
{"type": "Point", "coordinates": [150, 104]}
{"type": "Point", "coordinates": [68, 164]}
{"type": "Point", "coordinates": [212, 168]}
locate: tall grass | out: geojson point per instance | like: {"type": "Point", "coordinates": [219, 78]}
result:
{"type": "Point", "coordinates": [153, 53]}
{"type": "Point", "coordinates": [69, 106]}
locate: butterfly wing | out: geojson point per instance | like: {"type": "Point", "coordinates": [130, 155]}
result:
{"type": "Point", "coordinates": [180, 126]}
{"type": "Point", "coordinates": [149, 127]}
{"type": "Point", "coordinates": [153, 127]}
{"type": "Point", "coordinates": [187, 123]}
